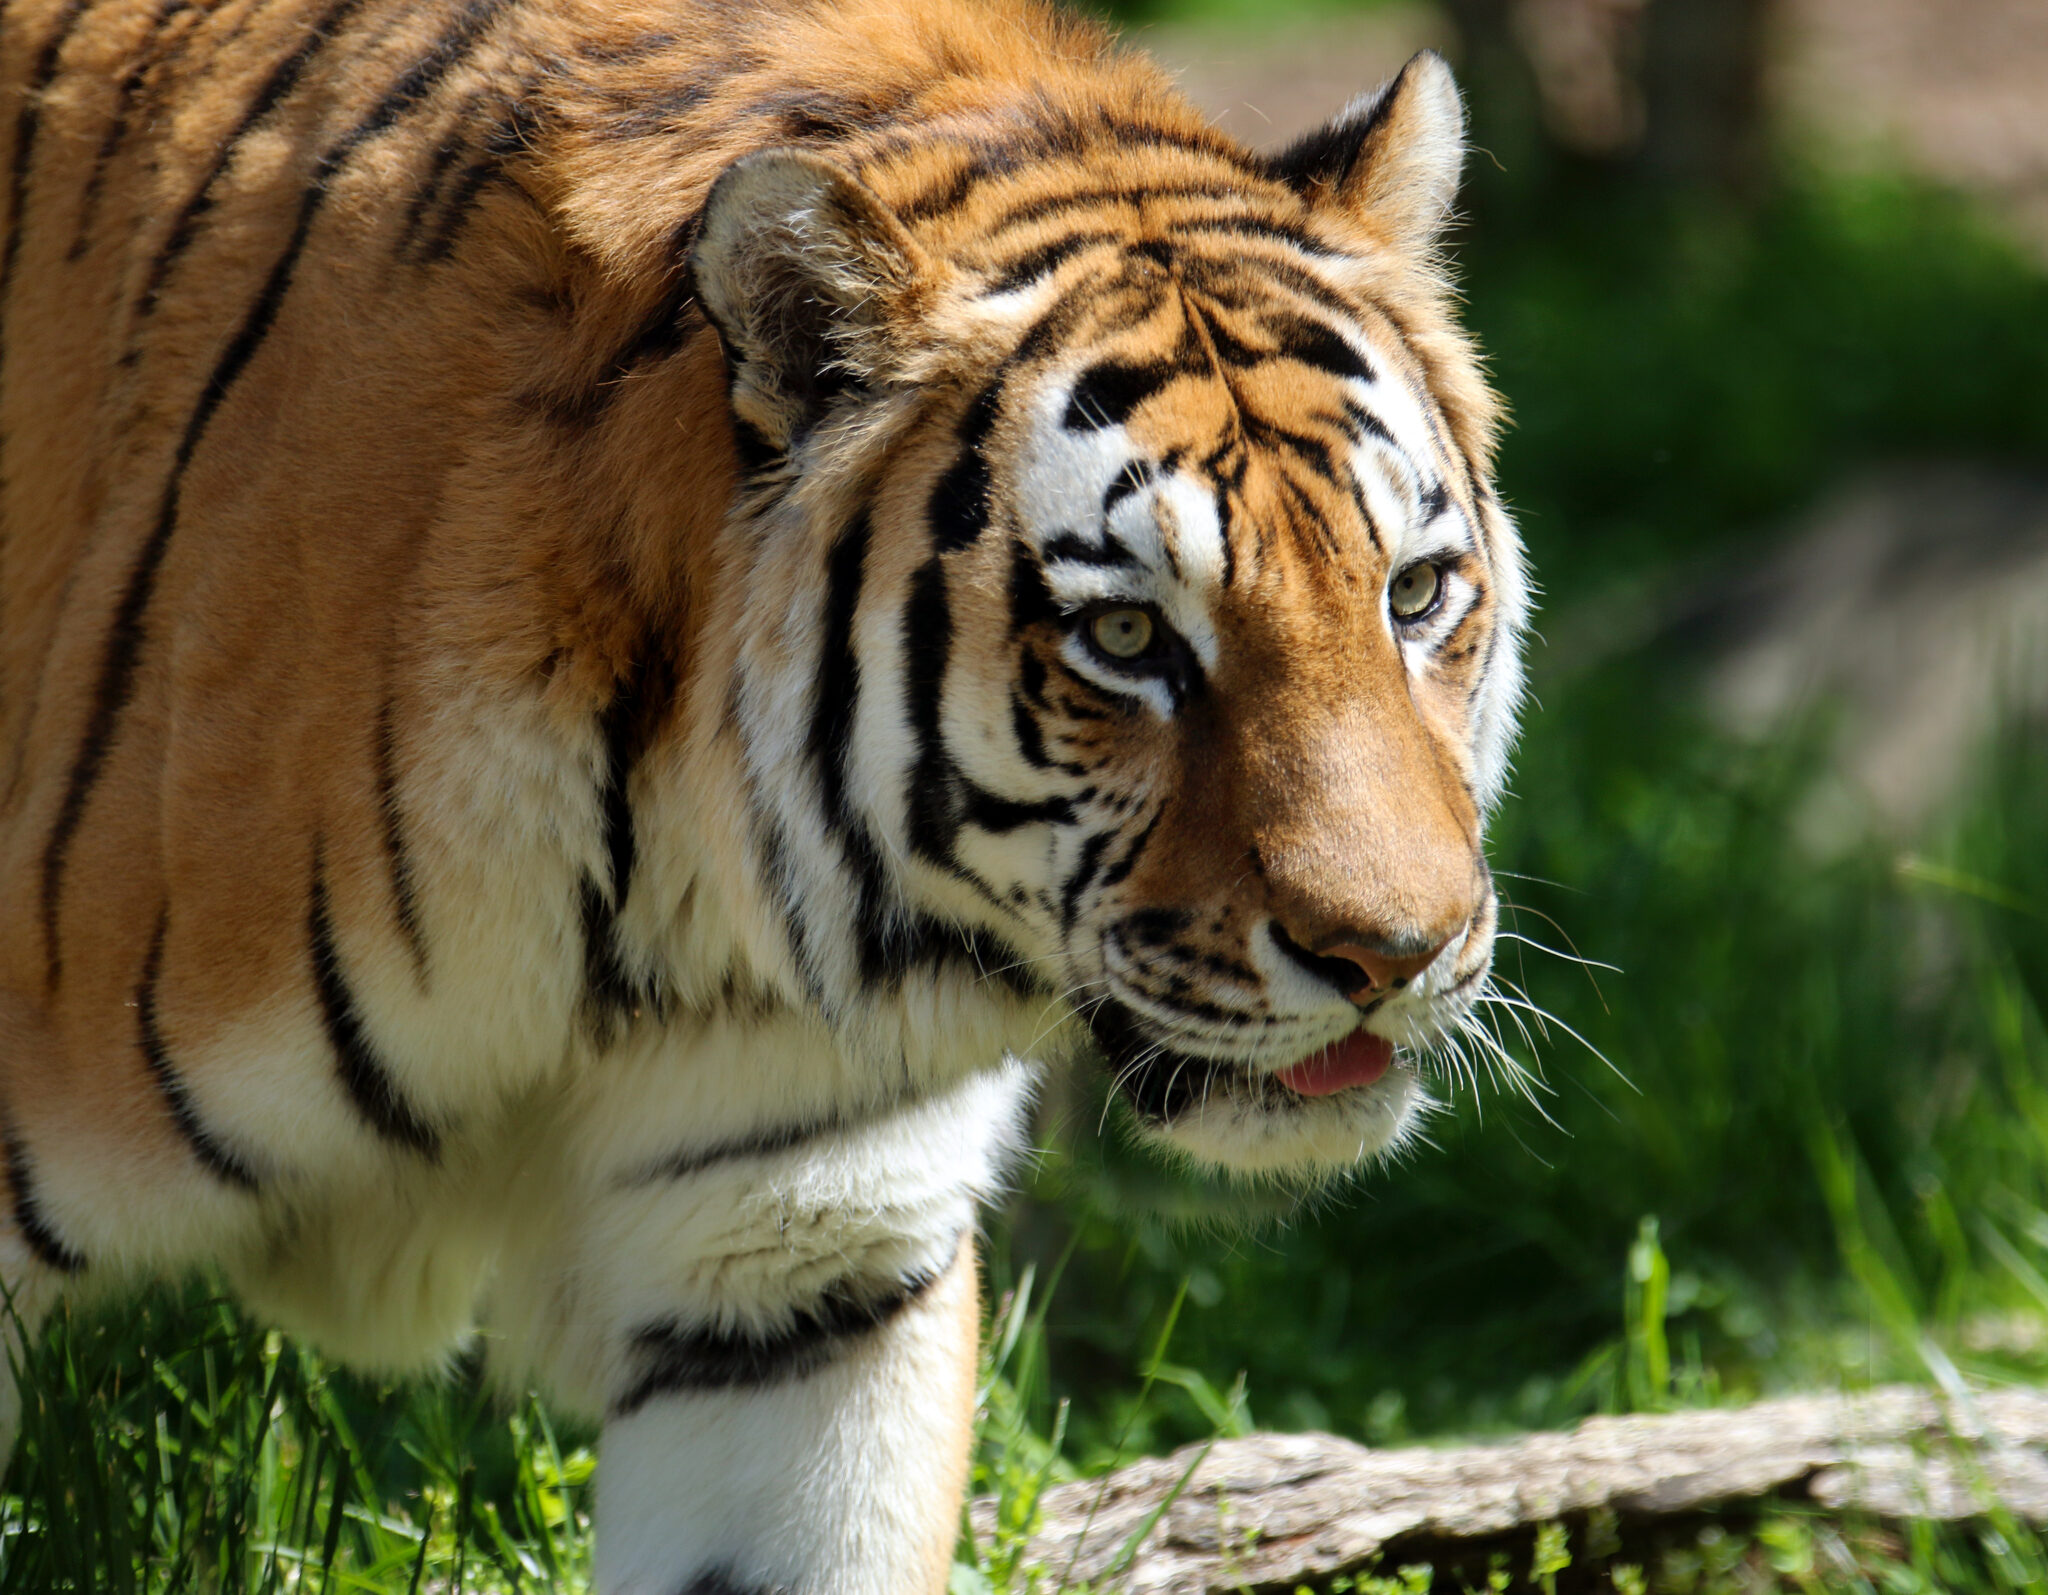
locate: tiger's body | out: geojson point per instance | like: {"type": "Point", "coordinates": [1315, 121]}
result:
{"type": "Point", "coordinates": [563, 728]}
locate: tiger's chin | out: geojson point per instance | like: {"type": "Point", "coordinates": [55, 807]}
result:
{"type": "Point", "coordinates": [1242, 1119]}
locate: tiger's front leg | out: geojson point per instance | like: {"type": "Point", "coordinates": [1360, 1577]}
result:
{"type": "Point", "coordinates": [830, 1458]}
{"type": "Point", "coordinates": [777, 1323]}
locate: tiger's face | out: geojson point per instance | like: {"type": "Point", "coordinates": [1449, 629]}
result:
{"type": "Point", "coordinates": [1177, 646]}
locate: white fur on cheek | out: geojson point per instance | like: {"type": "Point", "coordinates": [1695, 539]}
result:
{"type": "Point", "coordinates": [1163, 542]}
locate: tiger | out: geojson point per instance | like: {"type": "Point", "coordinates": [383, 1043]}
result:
{"type": "Point", "coordinates": [616, 615]}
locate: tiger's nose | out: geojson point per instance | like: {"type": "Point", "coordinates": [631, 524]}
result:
{"type": "Point", "coordinates": [1381, 969]}
{"type": "Point", "coordinates": [1362, 969]}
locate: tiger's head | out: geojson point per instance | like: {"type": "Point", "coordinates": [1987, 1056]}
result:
{"type": "Point", "coordinates": [1130, 618]}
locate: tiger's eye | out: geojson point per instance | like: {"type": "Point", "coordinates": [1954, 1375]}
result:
{"type": "Point", "coordinates": [1123, 633]}
{"type": "Point", "coordinates": [1414, 590]}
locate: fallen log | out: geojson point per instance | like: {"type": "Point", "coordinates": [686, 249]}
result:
{"type": "Point", "coordinates": [1271, 1509]}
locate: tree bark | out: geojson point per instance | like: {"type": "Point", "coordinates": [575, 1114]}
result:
{"type": "Point", "coordinates": [1275, 1508]}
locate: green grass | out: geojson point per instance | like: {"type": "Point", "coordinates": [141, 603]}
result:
{"type": "Point", "coordinates": [170, 1445]}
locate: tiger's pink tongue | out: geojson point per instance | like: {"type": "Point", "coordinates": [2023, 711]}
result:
{"type": "Point", "coordinates": [1359, 1059]}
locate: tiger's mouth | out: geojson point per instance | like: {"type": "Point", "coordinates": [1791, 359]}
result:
{"type": "Point", "coordinates": [1163, 1084]}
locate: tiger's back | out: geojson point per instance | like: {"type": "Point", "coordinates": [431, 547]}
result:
{"type": "Point", "coordinates": [551, 751]}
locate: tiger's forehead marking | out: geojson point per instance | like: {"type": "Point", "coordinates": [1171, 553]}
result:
{"type": "Point", "coordinates": [1110, 521]}
{"type": "Point", "coordinates": [1163, 480]}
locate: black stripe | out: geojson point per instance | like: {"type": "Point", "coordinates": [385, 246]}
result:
{"type": "Point", "coordinates": [1135, 477]}
{"type": "Point", "coordinates": [680, 1360]}
{"type": "Point", "coordinates": [990, 812]}
{"type": "Point", "coordinates": [283, 79]}
{"type": "Point", "coordinates": [950, 196]}
{"type": "Point", "coordinates": [1055, 324]}
{"type": "Point", "coordinates": [1107, 392]}
{"type": "Point", "coordinates": [478, 175]}
{"type": "Point", "coordinates": [1307, 519]}
{"type": "Point", "coordinates": [1029, 735]}
{"type": "Point", "coordinates": [28, 1213]}
{"type": "Point", "coordinates": [623, 728]}
{"type": "Point", "coordinates": [723, 1583]}
{"type": "Point", "coordinates": [1120, 871]}
{"type": "Point", "coordinates": [1317, 344]}
{"type": "Point", "coordinates": [1084, 872]}
{"type": "Point", "coordinates": [633, 52]}
{"type": "Point", "coordinates": [1355, 490]}
{"type": "Point", "coordinates": [1230, 350]}
{"type": "Point", "coordinates": [1314, 451]}
{"type": "Point", "coordinates": [1044, 260]}
{"type": "Point", "coordinates": [1436, 498]}
{"type": "Point", "coordinates": [1031, 600]}
{"type": "Point", "coordinates": [1256, 229]}
{"type": "Point", "coordinates": [811, 114]}
{"type": "Point", "coordinates": [446, 153]}
{"type": "Point", "coordinates": [1031, 678]}
{"type": "Point", "coordinates": [659, 113]}
{"type": "Point", "coordinates": [764, 1143]}
{"type": "Point", "coordinates": [1228, 483]}
{"type": "Point", "coordinates": [890, 942]}
{"type": "Point", "coordinates": [1200, 140]}
{"type": "Point", "coordinates": [927, 646]}
{"type": "Point", "coordinates": [397, 855]}
{"type": "Point", "coordinates": [621, 731]}
{"type": "Point", "coordinates": [960, 499]}
{"type": "Point", "coordinates": [1041, 209]}
{"type": "Point", "coordinates": [772, 848]}
{"type": "Point", "coordinates": [215, 1158]}
{"type": "Point", "coordinates": [1159, 927]}
{"type": "Point", "coordinates": [363, 1074]}
{"type": "Point", "coordinates": [1311, 343]}
{"type": "Point", "coordinates": [837, 698]}
{"type": "Point", "coordinates": [512, 135]}
{"type": "Point", "coordinates": [835, 702]}
{"type": "Point", "coordinates": [1222, 280]}
{"type": "Point", "coordinates": [117, 130]}
{"type": "Point", "coordinates": [27, 123]}
{"type": "Point", "coordinates": [1109, 553]}
{"type": "Point", "coordinates": [116, 682]}
{"type": "Point", "coordinates": [1365, 424]}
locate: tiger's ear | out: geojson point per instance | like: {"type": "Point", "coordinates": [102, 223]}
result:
{"type": "Point", "coordinates": [812, 284]}
{"type": "Point", "coordinates": [1391, 157]}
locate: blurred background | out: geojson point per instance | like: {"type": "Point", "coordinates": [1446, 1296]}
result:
{"type": "Point", "coordinates": [1766, 285]}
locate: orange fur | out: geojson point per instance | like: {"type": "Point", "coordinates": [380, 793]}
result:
{"type": "Point", "coordinates": [392, 601]}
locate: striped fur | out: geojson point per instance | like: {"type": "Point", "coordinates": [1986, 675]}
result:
{"type": "Point", "coordinates": [556, 743]}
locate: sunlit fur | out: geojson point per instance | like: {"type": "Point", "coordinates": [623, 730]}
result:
{"type": "Point", "coordinates": [551, 761]}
